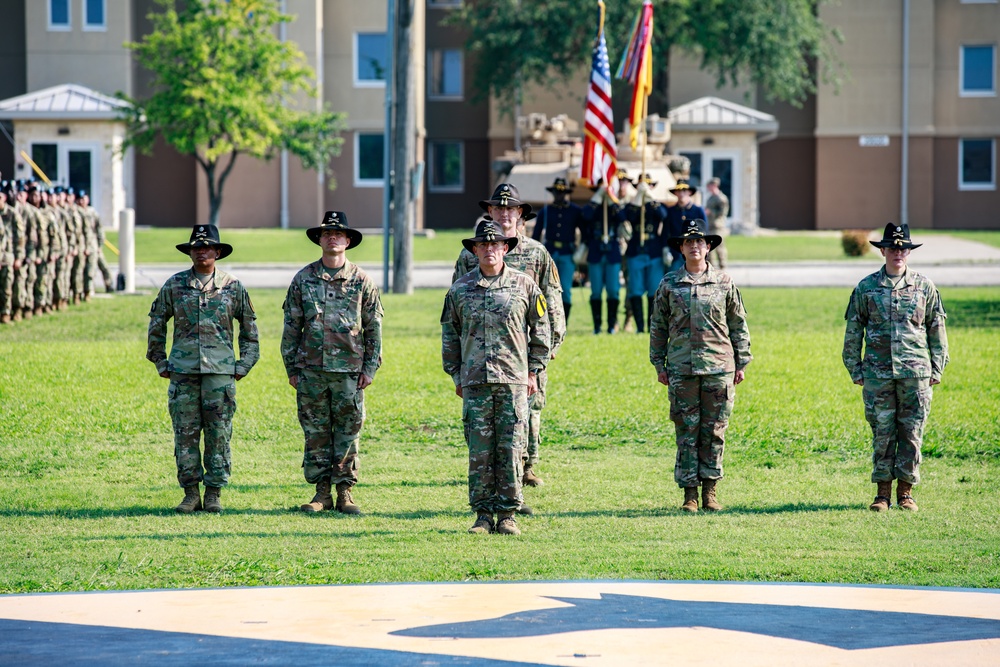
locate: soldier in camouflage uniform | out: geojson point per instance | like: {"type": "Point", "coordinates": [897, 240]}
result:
{"type": "Point", "coordinates": [97, 260]}
{"type": "Point", "coordinates": [202, 367]}
{"type": "Point", "coordinates": [12, 240]}
{"type": "Point", "coordinates": [24, 302]}
{"type": "Point", "coordinates": [331, 347]}
{"type": "Point", "coordinates": [530, 257]}
{"type": "Point", "coordinates": [700, 347]}
{"type": "Point", "coordinates": [494, 343]}
{"type": "Point", "coordinates": [898, 315]}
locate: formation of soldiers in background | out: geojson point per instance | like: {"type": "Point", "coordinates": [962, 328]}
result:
{"type": "Point", "coordinates": [51, 249]}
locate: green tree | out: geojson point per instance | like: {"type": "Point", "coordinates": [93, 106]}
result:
{"type": "Point", "coordinates": [224, 85]}
{"type": "Point", "coordinates": [774, 44]}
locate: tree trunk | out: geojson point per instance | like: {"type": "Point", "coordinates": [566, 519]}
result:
{"type": "Point", "coordinates": [404, 144]}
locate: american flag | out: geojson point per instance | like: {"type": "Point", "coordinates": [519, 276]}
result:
{"type": "Point", "coordinates": [600, 150]}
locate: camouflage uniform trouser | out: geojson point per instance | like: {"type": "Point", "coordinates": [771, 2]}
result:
{"type": "Point", "coordinates": [720, 256]}
{"type": "Point", "coordinates": [700, 406]}
{"type": "Point", "coordinates": [202, 403]}
{"type": "Point", "coordinates": [495, 417]}
{"type": "Point", "coordinates": [331, 412]}
{"type": "Point", "coordinates": [535, 404]}
{"type": "Point", "coordinates": [76, 272]}
{"type": "Point", "coordinates": [6, 289]}
{"type": "Point", "coordinates": [89, 273]}
{"type": "Point", "coordinates": [897, 411]}
{"type": "Point", "coordinates": [22, 296]}
{"type": "Point", "coordinates": [102, 266]}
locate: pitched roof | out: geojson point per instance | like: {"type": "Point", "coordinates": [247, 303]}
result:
{"type": "Point", "coordinates": [718, 115]}
{"type": "Point", "coordinates": [66, 102]}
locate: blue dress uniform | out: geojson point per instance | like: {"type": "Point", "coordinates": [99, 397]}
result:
{"type": "Point", "coordinates": [645, 258]}
{"type": "Point", "coordinates": [677, 222]}
{"type": "Point", "coordinates": [559, 223]}
{"type": "Point", "coordinates": [604, 260]}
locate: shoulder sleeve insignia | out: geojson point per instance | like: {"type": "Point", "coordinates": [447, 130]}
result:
{"type": "Point", "coordinates": [541, 306]}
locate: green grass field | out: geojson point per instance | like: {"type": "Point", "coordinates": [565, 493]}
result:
{"type": "Point", "coordinates": [89, 480]}
{"type": "Point", "coordinates": [154, 246]}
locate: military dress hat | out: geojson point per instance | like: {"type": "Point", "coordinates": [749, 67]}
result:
{"type": "Point", "coordinates": [696, 229]}
{"type": "Point", "coordinates": [206, 235]}
{"type": "Point", "coordinates": [560, 185]}
{"type": "Point", "coordinates": [684, 185]}
{"type": "Point", "coordinates": [647, 179]}
{"type": "Point", "coordinates": [488, 231]}
{"type": "Point", "coordinates": [896, 236]}
{"type": "Point", "coordinates": [506, 195]}
{"type": "Point", "coordinates": [335, 221]}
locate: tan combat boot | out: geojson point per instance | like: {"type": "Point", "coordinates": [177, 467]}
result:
{"type": "Point", "coordinates": [212, 502]}
{"type": "Point", "coordinates": [903, 497]}
{"type": "Point", "coordinates": [191, 502]}
{"type": "Point", "coordinates": [483, 525]}
{"type": "Point", "coordinates": [5, 318]}
{"type": "Point", "coordinates": [530, 478]}
{"type": "Point", "coordinates": [690, 499]}
{"type": "Point", "coordinates": [883, 497]}
{"type": "Point", "coordinates": [506, 525]}
{"type": "Point", "coordinates": [525, 510]}
{"type": "Point", "coordinates": [345, 504]}
{"type": "Point", "coordinates": [708, 501]}
{"type": "Point", "coordinates": [322, 500]}
{"type": "Point", "coordinates": [16, 317]}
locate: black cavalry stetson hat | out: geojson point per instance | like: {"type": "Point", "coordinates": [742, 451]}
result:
{"type": "Point", "coordinates": [488, 231]}
{"type": "Point", "coordinates": [560, 185]}
{"type": "Point", "coordinates": [896, 236]}
{"type": "Point", "coordinates": [506, 195]}
{"type": "Point", "coordinates": [684, 185]}
{"type": "Point", "coordinates": [696, 229]}
{"type": "Point", "coordinates": [206, 235]}
{"type": "Point", "coordinates": [335, 221]}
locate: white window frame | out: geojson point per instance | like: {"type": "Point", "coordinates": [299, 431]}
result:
{"type": "Point", "coordinates": [431, 95]}
{"type": "Point", "coordinates": [366, 182]}
{"type": "Point", "coordinates": [452, 189]}
{"type": "Point", "coordinates": [992, 92]}
{"type": "Point", "coordinates": [60, 27]}
{"type": "Point", "coordinates": [94, 27]}
{"type": "Point", "coordinates": [366, 83]}
{"type": "Point", "coordinates": [992, 185]}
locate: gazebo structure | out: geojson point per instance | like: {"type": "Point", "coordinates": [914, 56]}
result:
{"type": "Point", "coordinates": [721, 139]}
{"type": "Point", "coordinates": [73, 135]}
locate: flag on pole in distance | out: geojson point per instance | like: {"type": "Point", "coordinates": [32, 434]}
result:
{"type": "Point", "coordinates": [600, 150]}
{"type": "Point", "coordinates": [637, 68]}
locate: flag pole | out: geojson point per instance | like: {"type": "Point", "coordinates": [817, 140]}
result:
{"type": "Point", "coordinates": [642, 174]}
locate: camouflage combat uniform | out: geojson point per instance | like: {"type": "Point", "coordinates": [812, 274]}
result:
{"type": "Point", "coordinates": [493, 333]}
{"type": "Point", "coordinates": [333, 333]}
{"type": "Point", "coordinates": [11, 249]}
{"type": "Point", "coordinates": [698, 335]}
{"type": "Point", "coordinates": [202, 363]}
{"type": "Point", "coordinates": [530, 257]}
{"type": "Point", "coordinates": [901, 322]}
{"type": "Point", "coordinates": [717, 208]}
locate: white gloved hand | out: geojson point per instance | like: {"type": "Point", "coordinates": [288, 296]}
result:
{"type": "Point", "coordinates": [598, 197]}
{"type": "Point", "coordinates": [642, 195]}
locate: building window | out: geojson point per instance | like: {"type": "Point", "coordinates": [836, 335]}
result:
{"type": "Point", "coordinates": [59, 15]}
{"type": "Point", "coordinates": [95, 15]}
{"type": "Point", "coordinates": [46, 156]}
{"type": "Point", "coordinates": [369, 158]}
{"type": "Point", "coordinates": [445, 74]}
{"type": "Point", "coordinates": [447, 166]}
{"type": "Point", "coordinates": [978, 71]}
{"type": "Point", "coordinates": [977, 164]}
{"type": "Point", "coordinates": [371, 60]}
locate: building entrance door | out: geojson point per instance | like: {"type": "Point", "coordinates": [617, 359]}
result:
{"type": "Point", "coordinates": [721, 164]}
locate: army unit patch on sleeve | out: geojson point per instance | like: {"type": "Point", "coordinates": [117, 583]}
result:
{"type": "Point", "coordinates": [540, 305]}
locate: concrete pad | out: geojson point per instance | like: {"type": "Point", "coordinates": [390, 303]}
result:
{"type": "Point", "coordinates": [551, 623]}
